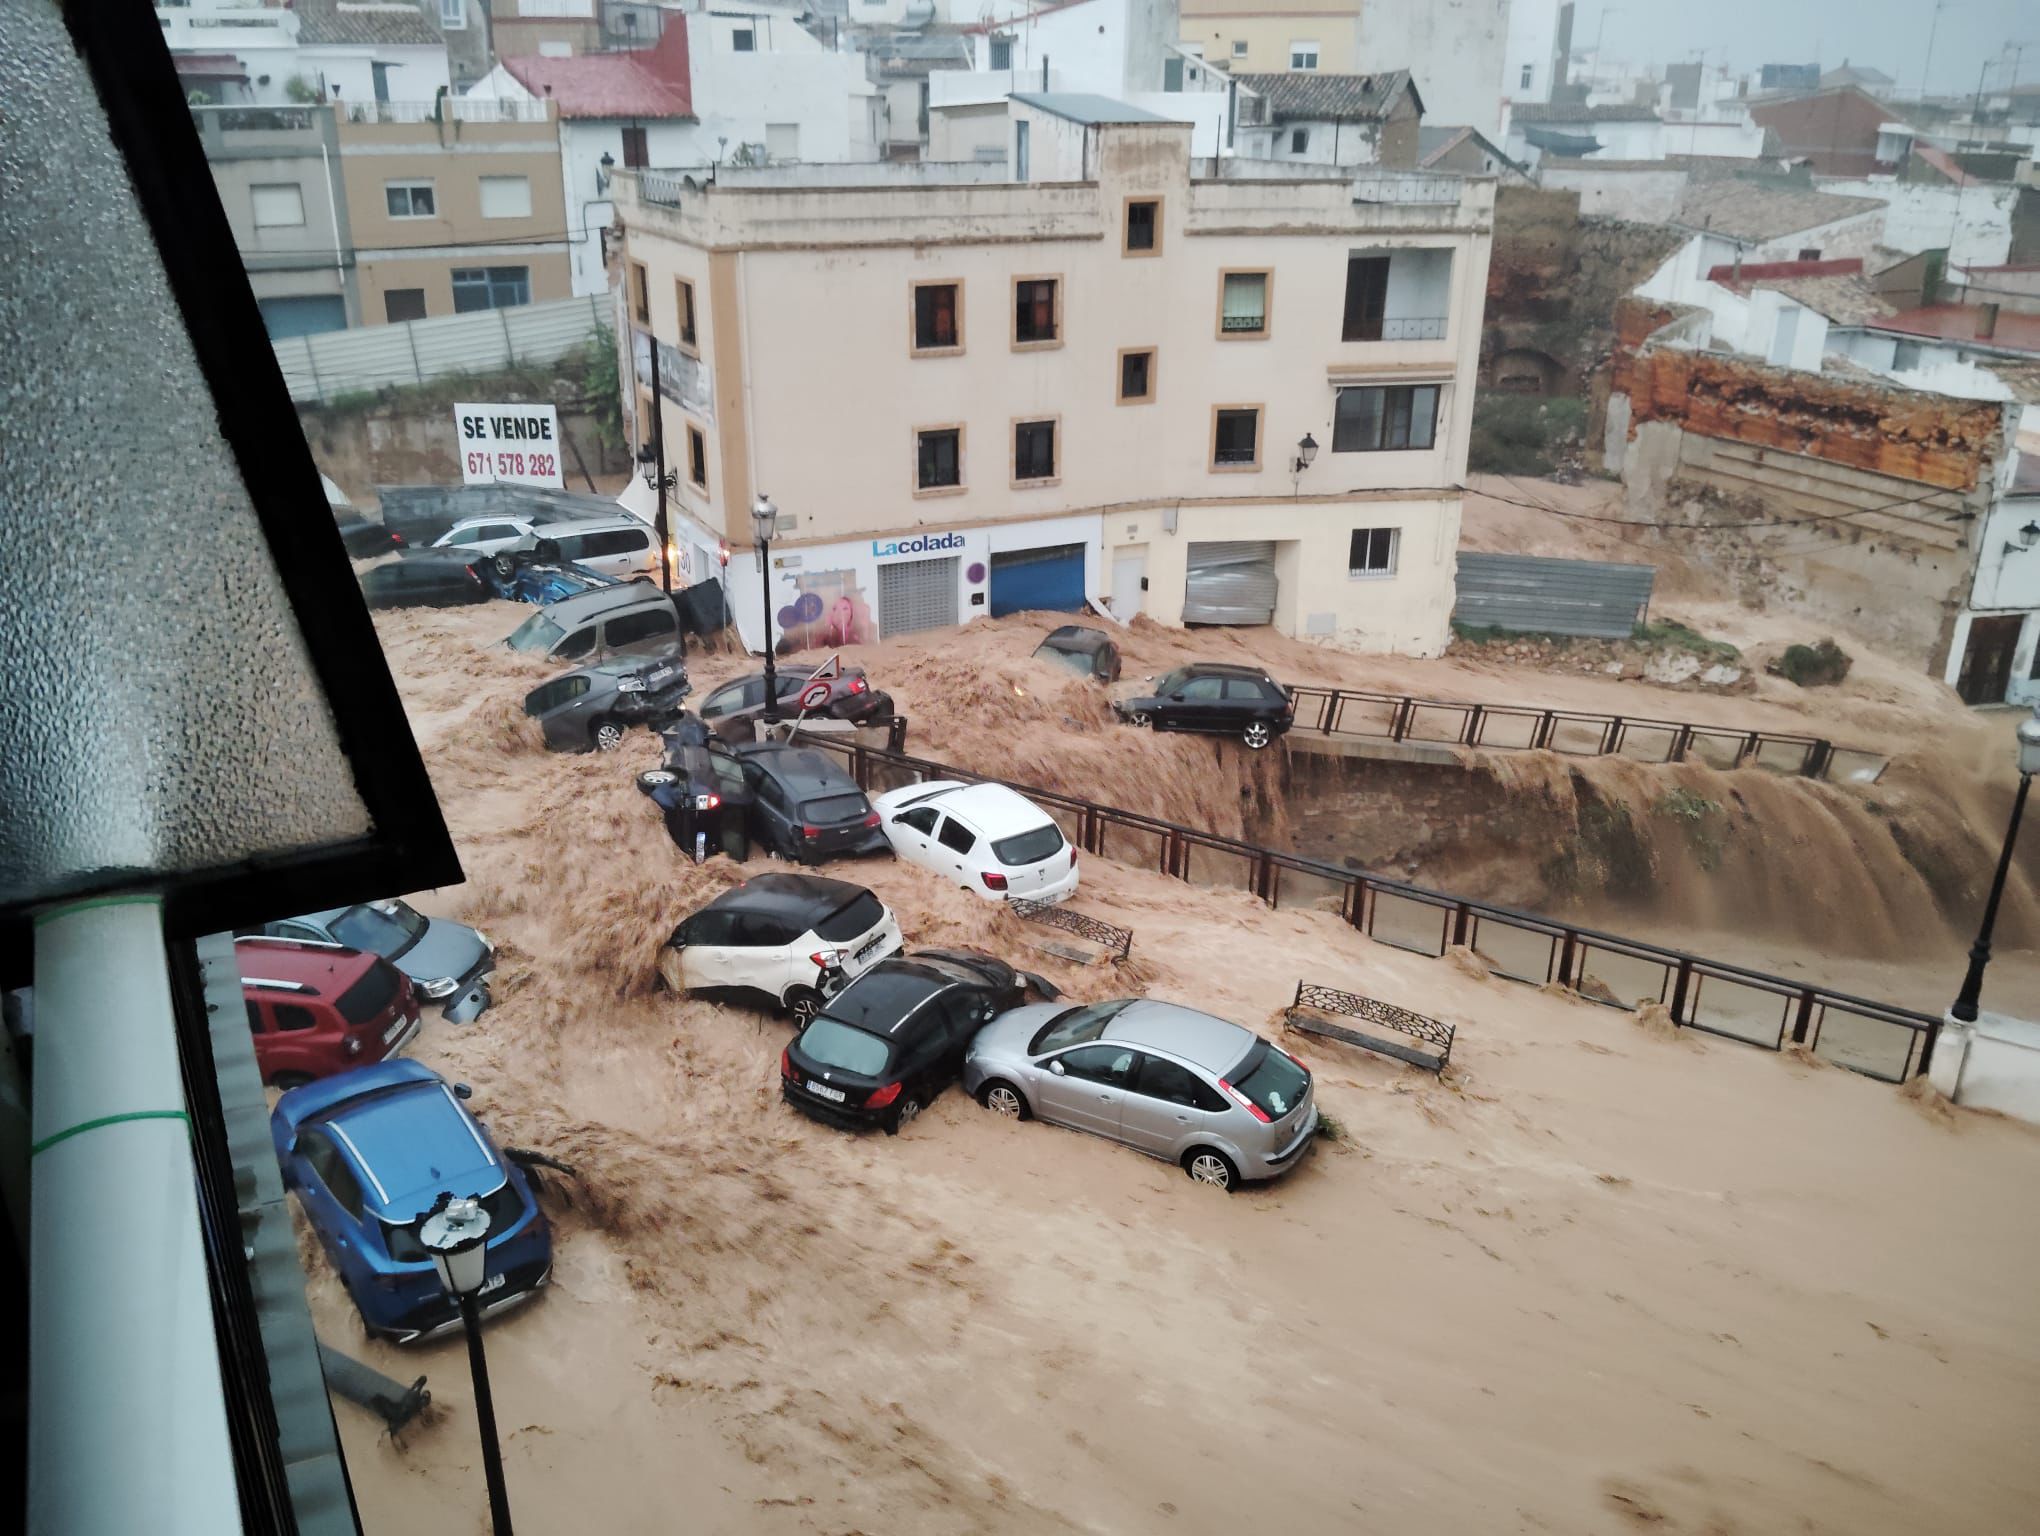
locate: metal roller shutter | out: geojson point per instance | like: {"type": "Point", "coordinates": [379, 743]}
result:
{"type": "Point", "coordinates": [1024, 579]}
{"type": "Point", "coordinates": [1231, 583]}
{"type": "Point", "coordinates": [916, 594]}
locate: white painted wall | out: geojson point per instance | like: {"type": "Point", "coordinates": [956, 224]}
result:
{"type": "Point", "coordinates": [1738, 138]}
{"type": "Point", "coordinates": [1991, 1064]}
{"type": "Point", "coordinates": [1754, 325]}
{"type": "Point", "coordinates": [1455, 50]}
{"type": "Point", "coordinates": [1642, 196]}
{"type": "Point", "coordinates": [1973, 224]}
{"type": "Point", "coordinates": [266, 40]}
{"type": "Point", "coordinates": [1532, 44]}
{"type": "Point", "coordinates": [1324, 143]}
{"type": "Point", "coordinates": [2007, 580]}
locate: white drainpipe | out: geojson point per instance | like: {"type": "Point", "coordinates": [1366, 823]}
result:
{"type": "Point", "coordinates": [127, 1430]}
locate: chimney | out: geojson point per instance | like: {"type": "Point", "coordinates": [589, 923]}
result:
{"type": "Point", "coordinates": [1986, 321]}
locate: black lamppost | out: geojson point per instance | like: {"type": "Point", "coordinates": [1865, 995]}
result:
{"type": "Point", "coordinates": [764, 523]}
{"type": "Point", "coordinates": [456, 1234]}
{"type": "Point", "coordinates": [1964, 1009]}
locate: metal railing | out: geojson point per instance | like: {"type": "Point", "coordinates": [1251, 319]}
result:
{"type": "Point", "coordinates": [662, 188]}
{"type": "Point", "coordinates": [1880, 1040]}
{"type": "Point", "coordinates": [459, 109]}
{"type": "Point", "coordinates": [256, 119]}
{"type": "Point", "coordinates": [1406, 328]}
{"type": "Point", "coordinates": [1573, 733]}
{"type": "Point", "coordinates": [1406, 187]}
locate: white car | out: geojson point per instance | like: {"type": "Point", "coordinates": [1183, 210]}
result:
{"type": "Point", "coordinates": [485, 535]}
{"type": "Point", "coordinates": [621, 546]}
{"type": "Point", "coordinates": [797, 939]}
{"type": "Point", "coordinates": [985, 837]}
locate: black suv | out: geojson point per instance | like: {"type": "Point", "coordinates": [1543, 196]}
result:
{"type": "Point", "coordinates": [702, 789]}
{"type": "Point", "coordinates": [885, 1045]}
{"type": "Point", "coordinates": [591, 707]}
{"type": "Point", "coordinates": [805, 807]}
{"type": "Point", "coordinates": [1208, 696]}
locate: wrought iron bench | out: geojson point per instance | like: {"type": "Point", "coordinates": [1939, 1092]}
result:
{"type": "Point", "coordinates": [1381, 1027]}
{"type": "Point", "coordinates": [1118, 941]}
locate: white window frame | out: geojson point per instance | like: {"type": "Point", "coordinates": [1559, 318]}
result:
{"type": "Point", "coordinates": [1299, 141]}
{"type": "Point", "coordinates": [483, 185]}
{"type": "Point", "coordinates": [410, 187]}
{"type": "Point", "coordinates": [255, 204]}
{"type": "Point", "coordinates": [1298, 48]}
{"type": "Point", "coordinates": [1239, 47]}
{"type": "Point", "coordinates": [789, 128]}
{"type": "Point", "coordinates": [749, 36]}
{"type": "Point", "coordinates": [453, 15]}
{"type": "Point", "coordinates": [1375, 573]}
{"type": "Point", "coordinates": [1529, 74]}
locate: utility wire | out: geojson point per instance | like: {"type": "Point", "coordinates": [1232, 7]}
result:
{"type": "Point", "coordinates": [1664, 527]}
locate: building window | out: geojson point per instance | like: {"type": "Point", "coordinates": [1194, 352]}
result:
{"type": "Point", "coordinates": [1810, 254]}
{"type": "Point", "coordinates": [403, 304]}
{"type": "Point", "coordinates": [782, 142]}
{"type": "Point", "coordinates": [1037, 312]}
{"type": "Point", "coordinates": [637, 152]}
{"type": "Point", "coordinates": [1529, 73]}
{"type": "Point", "coordinates": [1303, 55]}
{"type": "Point", "coordinates": [744, 40]}
{"type": "Point", "coordinates": [277, 205]}
{"type": "Point", "coordinates": [453, 15]}
{"type": "Point", "coordinates": [490, 288]}
{"type": "Point", "coordinates": [1236, 437]}
{"type": "Point", "coordinates": [938, 459]}
{"type": "Point", "coordinates": [1366, 297]}
{"type": "Point", "coordinates": [1136, 375]}
{"type": "Point", "coordinates": [640, 294]}
{"type": "Point", "coordinates": [1034, 452]}
{"type": "Point", "coordinates": [1243, 302]}
{"type": "Point", "coordinates": [697, 457]}
{"type": "Point", "coordinates": [1373, 552]}
{"type": "Point", "coordinates": [1143, 227]}
{"type": "Point", "coordinates": [1905, 356]}
{"type": "Point", "coordinates": [1239, 48]}
{"type": "Point", "coordinates": [683, 292]}
{"type": "Point", "coordinates": [506, 197]}
{"type": "Point", "coordinates": [937, 319]}
{"type": "Point", "coordinates": [1002, 53]}
{"type": "Point", "coordinates": [1299, 140]}
{"type": "Point", "coordinates": [409, 199]}
{"type": "Point", "coordinates": [1377, 419]}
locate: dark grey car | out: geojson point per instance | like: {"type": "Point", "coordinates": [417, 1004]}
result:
{"type": "Point", "coordinates": [634, 619]}
{"type": "Point", "coordinates": [447, 962]}
{"type": "Point", "coordinates": [591, 707]}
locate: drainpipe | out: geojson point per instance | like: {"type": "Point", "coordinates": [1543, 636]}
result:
{"type": "Point", "coordinates": [127, 1428]}
{"type": "Point", "coordinates": [333, 215]}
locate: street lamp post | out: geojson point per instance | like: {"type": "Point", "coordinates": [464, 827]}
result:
{"type": "Point", "coordinates": [456, 1234]}
{"type": "Point", "coordinates": [1964, 1009]}
{"type": "Point", "coordinates": [764, 523]}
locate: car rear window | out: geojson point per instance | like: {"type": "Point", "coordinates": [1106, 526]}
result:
{"type": "Point", "coordinates": [1270, 1079]}
{"type": "Point", "coordinates": [370, 997]}
{"type": "Point", "coordinates": [1073, 1026]}
{"type": "Point", "coordinates": [1076, 661]}
{"type": "Point", "coordinates": [831, 1044]}
{"type": "Point", "coordinates": [537, 633]}
{"type": "Point", "coordinates": [862, 913]}
{"type": "Point", "coordinates": [834, 808]}
{"type": "Point", "coordinates": [1030, 847]}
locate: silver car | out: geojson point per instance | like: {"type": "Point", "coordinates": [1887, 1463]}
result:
{"type": "Point", "coordinates": [1208, 1095]}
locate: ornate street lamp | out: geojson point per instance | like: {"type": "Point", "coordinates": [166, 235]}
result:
{"type": "Point", "coordinates": [1964, 1008]}
{"type": "Point", "coordinates": [765, 523]}
{"type": "Point", "coordinates": [456, 1234]}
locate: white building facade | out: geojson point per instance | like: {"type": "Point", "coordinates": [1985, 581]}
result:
{"type": "Point", "coordinates": [970, 391]}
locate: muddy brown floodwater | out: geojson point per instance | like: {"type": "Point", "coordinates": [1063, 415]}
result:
{"type": "Point", "coordinates": [1598, 1278]}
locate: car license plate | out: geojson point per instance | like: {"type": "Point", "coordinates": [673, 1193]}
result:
{"type": "Point", "coordinates": [493, 1283]}
{"type": "Point", "coordinates": [824, 1091]}
{"type": "Point", "coordinates": [395, 1029]}
{"type": "Point", "coordinates": [701, 802]}
{"type": "Point", "coordinates": [870, 949]}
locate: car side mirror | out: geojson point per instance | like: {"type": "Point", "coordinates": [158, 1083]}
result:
{"type": "Point", "coordinates": [1057, 1067]}
{"type": "Point", "coordinates": [1176, 698]}
{"type": "Point", "coordinates": [462, 1091]}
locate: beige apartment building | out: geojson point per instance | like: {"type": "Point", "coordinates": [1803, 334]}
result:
{"type": "Point", "coordinates": [449, 216]}
{"type": "Point", "coordinates": [1254, 36]}
{"type": "Point", "coordinates": [1084, 375]}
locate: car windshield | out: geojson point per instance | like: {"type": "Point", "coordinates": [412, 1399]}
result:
{"type": "Point", "coordinates": [537, 633]}
{"type": "Point", "coordinates": [370, 997]}
{"type": "Point", "coordinates": [831, 809]}
{"type": "Point", "coordinates": [1076, 661]}
{"type": "Point", "coordinates": [1169, 682]}
{"type": "Point", "coordinates": [862, 913]}
{"type": "Point", "coordinates": [1073, 1026]}
{"type": "Point", "coordinates": [1271, 1079]}
{"type": "Point", "coordinates": [831, 1044]}
{"type": "Point", "coordinates": [1030, 847]}
{"type": "Point", "coordinates": [387, 934]}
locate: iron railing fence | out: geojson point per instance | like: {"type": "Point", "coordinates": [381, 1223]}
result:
{"type": "Point", "coordinates": [1574, 733]}
{"type": "Point", "coordinates": [1880, 1040]}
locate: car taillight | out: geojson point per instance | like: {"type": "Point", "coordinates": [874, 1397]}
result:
{"type": "Point", "coordinates": [396, 541]}
{"type": "Point", "coordinates": [881, 1097]}
{"type": "Point", "coordinates": [786, 1063]}
{"type": "Point", "coordinates": [859, 685]}
{"type": "Point", "coordinates": [810, 831]}
{"type": "Point", "coordinates": [824, 958]}
{"type": "Point", "coordinates": [993, 881]}
{"type": "Point", "coordinates": [871, 820]}
{"type": "Point", "coordinates": [1073, 858]}
{"type": "Point", "coordinates": [710, 802]}
{"type": "Point", "coordinates": [1244, 1102]}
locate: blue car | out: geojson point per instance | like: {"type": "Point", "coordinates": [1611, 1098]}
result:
{"type": "Point", "coordinates": [368, 1152]}
{"type": "Point", "coordinates": [537, 576]}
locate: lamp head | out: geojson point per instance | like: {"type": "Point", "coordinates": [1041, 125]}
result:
{"type": "Point", "coordinates": [456, 1234]}
{"type": "Point", "coordinates": [764, 519]}
{"type": "Point", "coordinates": [2029, 742]}
{"type": "Point", "coordinates": [1306, 451]}
{"type": "Point", "coordinates": [2029, 535]}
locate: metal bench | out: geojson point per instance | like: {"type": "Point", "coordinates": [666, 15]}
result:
{"type": "Point", "coordinates": [1118, 941]}
{"type": "Point", "coordinates": [1380, 1027]}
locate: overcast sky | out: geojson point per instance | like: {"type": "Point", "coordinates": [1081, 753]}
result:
{"type": "Point", "coordinates": [1890, 35]}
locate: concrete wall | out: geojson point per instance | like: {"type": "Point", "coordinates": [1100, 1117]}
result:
{"type": "Point", "coordinates": [1991, 1064]}
{"type": "Point", "coordinates": [972, 132]}
{"type": "Point", "coordinates": [1973, 224]}
{"type": "Point", "coordinates": [315, 257]}
{"type": "Point", "coordinates": [1533, 44]}
{"type": "Point", "coordinates": [1644, 194]}
{"type": "Point", "coordinates": [1455, 50]}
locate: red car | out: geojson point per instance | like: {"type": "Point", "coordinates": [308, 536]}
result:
{"type": "Point", "coordinates": [316, 1009]}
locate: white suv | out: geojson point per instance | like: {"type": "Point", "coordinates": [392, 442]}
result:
{"type": "Point", "coordinates": [485, 534]}
{"type": "Point", "coordinates": [621, 546]}
{"type": "Point", "coordinates": [797, 939]}
{"type": "Point", "coordinates": [985, 837]}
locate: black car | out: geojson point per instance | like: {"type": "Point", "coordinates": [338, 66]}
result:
{"type": "Point", "coordinates": [1209, 696]}
{"type": "Point", "coordinates": [364, 537]}
{"type": "Point", "coordinates": [702, 790]}
{"type": "Point", "coordinates": [425, 578]}
{"type": "Point", "coordinates": [805, 807]}
{"type": "Point", "coordinates": [591, 707]}
{"type": "Point", "coordinates": [1085, 651]}
{"type": "Point", "coordinates": [884, 1046]}
{"type": "Point", "coordinates": [835, 691]}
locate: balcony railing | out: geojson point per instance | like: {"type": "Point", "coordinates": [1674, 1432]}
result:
{"type": "Point", "coordinates": [460, 109]}
{"type": "Point", "coordinates": [255, 119]}
{"type": "Point", "coordinates": [1405, 187]}
{"type": "Point", "coordinates": [1406, 328]}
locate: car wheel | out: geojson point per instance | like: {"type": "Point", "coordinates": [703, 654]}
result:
{"type": "Point", "coordinates": [1208, 1165]}
{"type": "Point", "coordinates": [285, 1081]}
{"type": "Point", "coordinates": [803, 1003]}
{"type": "Point", "coordinates": [1257, 736]}
{"type": "Point", "coordinates": [910, 1106]}
{"type": "Point", "coordinates": [504, 566]}
{"type": "Point", "coordinates": [607, 735]}
{"type": "Point", "coordinates": [1141, 718]}
{"type": "Point", "coordinates": [1002, 1098]}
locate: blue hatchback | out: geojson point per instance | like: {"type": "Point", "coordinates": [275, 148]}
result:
{"type": "Point", "coordinates": [368, 1152]}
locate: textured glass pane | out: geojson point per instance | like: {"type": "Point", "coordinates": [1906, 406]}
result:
{"type": "Point", "coordinates": [162, 714]}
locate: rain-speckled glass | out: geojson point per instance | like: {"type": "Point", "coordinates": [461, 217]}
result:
{"type": "Point", "coordinates": [158, 709]}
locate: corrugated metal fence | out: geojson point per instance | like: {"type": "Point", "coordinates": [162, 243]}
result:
{"type": "Point", "coordinates": [1554, 597]}
{"type": "Point", "coordinates": [336, 363]}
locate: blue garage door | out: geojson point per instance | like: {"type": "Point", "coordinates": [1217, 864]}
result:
{"type": "Point", "coordinates": [1038, 578]}
{"type": "Point", "coordinates": [304, 315]}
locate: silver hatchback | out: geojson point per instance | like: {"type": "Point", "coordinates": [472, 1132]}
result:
{"type": "Point", "coordinates": [1206, 1094]}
